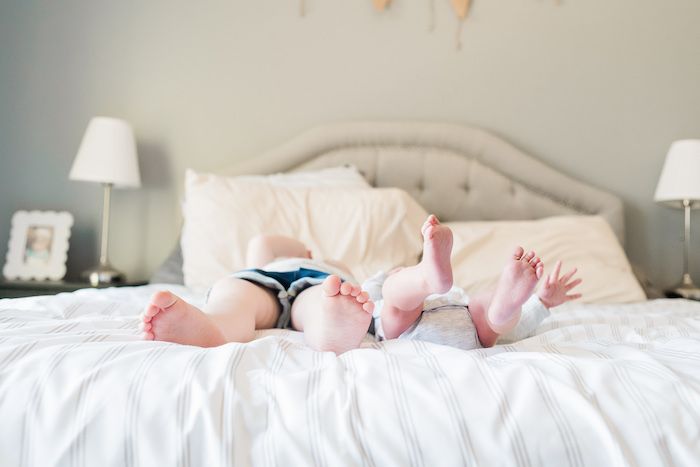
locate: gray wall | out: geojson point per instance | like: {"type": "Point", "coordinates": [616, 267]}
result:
{"type": "Point", "coordinates": [596, 88]}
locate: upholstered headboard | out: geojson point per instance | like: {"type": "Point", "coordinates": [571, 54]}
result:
{"type": "Point", "coordinates": [455, 171]}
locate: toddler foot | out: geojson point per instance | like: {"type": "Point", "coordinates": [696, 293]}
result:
{"type": "Point", "coordinates": [437, 248]}
{"type": "Point", "coordinates": [516, 284]}
{"type": "Point", "coordinates": [171, 319]}
{"type": "Point", "coordinates": [345, 317]}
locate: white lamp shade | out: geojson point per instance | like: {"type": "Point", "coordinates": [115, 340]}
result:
{"type": "Point", "coordinates": [680, 177]}
{"type": "Point", "coordinates": [107, 154]}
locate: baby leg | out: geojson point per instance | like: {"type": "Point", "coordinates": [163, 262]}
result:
{"type": "Point", "coordinates": [405, 290]}
{"type": "Point", "coordinates": [497, 311]}
{"type": "Point", "coordinates": [234, 310]}
{"type": "Point", "coordinates": [263, 249]}
{"type": "Point", "coordinates": [333, 316]}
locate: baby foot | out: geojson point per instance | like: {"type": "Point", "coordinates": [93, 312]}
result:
{"type": "Point", "coordinates": [342, 325]}
{"type": "Point", "coordinates": [171, 319]}
{"type": "Point", "coordinates": [437, 248]}
{"type": "Point", "coordinates": [516, 284]}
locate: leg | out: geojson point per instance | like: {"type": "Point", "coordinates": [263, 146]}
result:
{"type": "Point", "coordinates": [405, 290]}
{"type": "Point", "coordinates": [263, 249]}
{"type": "Point", "coordinates": [333, 316]}
{"type": "Point", "coordinates": [497, 312]}
{"type": "Point", "coordinates": [236, 308]}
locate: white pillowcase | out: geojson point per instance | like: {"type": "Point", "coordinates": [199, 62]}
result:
{"type": "Point", "coordinates": [586, 242]}
{"type": "Point", "coordinates": [367, 229]}
{"type": "Point", "coordinates": [347, 176]}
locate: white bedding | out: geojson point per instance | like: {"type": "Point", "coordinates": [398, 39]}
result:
{"type": "Point", "coordinates": [598, 385]}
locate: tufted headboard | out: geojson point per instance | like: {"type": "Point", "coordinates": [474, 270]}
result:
{"type": "Point", "coordinates": [457, 172]}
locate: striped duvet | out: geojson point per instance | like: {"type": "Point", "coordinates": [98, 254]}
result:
{"type": "Point", "coordinates": [598, 385]}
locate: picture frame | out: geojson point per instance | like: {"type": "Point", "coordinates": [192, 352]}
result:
{"type": "Point", "coordinates": [38, 245]}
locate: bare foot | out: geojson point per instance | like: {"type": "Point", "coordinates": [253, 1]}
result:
{"type": "Point", "coordinates": [169, 318]}
{"type": "Point", "coordinates": [516, 284]}
{"type": "Point", "coordinates": [345, 318]}
{"type": "Point", "coordinates": [437, 247]}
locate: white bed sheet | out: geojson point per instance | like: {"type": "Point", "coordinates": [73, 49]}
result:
{"type": "Point", "coordinates": [598, 385]}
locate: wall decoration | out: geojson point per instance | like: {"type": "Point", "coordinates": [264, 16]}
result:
{"type": "Point", "coordinates": [460, 7]}
{"type": "Point", "coordinates": [380, 5]}
{"type": "Point", "coordinates": [38, 245]}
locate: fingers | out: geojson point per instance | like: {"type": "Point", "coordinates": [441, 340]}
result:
{"type": "Point", "coordinates": [573, 284]}
{"type": "Point", "coordinates": [566, 277]}
{"type": "Point", "coordinates": [574, 296]}
{"type": "Point", "coordinates": [555, 273]}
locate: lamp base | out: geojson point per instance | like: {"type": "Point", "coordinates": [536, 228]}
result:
{"type": "Point", "coordinates": [103, 274]}
{"type": "Point", "coordinates": [687, 289]}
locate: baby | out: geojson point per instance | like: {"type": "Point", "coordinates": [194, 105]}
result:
{"type": "Point", "coordinates": [285, 287]}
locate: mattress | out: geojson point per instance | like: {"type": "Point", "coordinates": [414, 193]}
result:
{"type": "Point", "coordinates": [597, 385]}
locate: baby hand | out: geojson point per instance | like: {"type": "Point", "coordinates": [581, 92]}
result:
{"type": "Point", "coordinates": [554, 290]}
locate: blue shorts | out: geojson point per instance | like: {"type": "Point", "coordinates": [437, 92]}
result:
{"type": "Point", "coordinates": [287, 284]}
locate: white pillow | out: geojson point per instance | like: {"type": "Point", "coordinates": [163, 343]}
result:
{"type": "Point", "coordinates": [366, 229]}
{"type": "Point", "coordinates": [586, 242]}
{"type": "Point", "coordinates": [347, 176]}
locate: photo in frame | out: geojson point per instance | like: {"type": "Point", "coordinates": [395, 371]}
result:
{"type": "Point", "coordinates": [38, 245]}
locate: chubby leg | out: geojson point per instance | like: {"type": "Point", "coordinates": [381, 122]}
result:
{"type": "Point", "coordinates": [496, 312]}
{"type": "Point", "coordinates": [263, 249]}
{"type": "Point", "coordinates": [235, 308]}
{"type": "Point", "coordinates": [405, 290]}
{"type": "Point", "coordinates": [334, 316]}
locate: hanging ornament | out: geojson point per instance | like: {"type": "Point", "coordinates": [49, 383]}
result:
{"type": "Point", "coordinates": [380, 5]}
{"type": "Point", "coordinates": [461, 7]}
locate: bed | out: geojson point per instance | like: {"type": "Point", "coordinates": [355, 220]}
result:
{"type": "Point", "coordinates": [614, 380]}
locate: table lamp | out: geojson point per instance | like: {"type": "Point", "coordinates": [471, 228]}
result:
{"type": "Point", "coordinates": [107, 155]}
{"type": "Point", "coordinates": [679, 187]}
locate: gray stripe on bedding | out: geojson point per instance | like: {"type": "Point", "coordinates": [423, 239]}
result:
{"type": "Point", "coordinates": [34, 402]}
{"type": "Point", "coordinates": [270, 393]}
{"type": "Point", "coordinates": [408, 429]}
{"type": "Point", "coordinates": [133, 402]}
{"type": "Point", "coordinates": [508, 421]}
{"type": "Point", "coordinates": [656, 432]}
{"type": "Point", "coordinates": [77, 450]}
{"type": "Point", "coordinates": [356, 422]}
{"type": "Point", "coordinates": [454, 409]}
{"type": "Point", "coordinates": [313, 412]}
{"type": "Point", "coordinates": [228, 447]}
{"type": "Point", "coordinates": [558, 357]}
{"type": "Point", "coordinates": [571, 447]}
{"type": "Point", "coordinates": [183, 402]}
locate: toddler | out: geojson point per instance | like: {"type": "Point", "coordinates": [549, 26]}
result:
{"type": "Point", "coordinates": [285, 287]}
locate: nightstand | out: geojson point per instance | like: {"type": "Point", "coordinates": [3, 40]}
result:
{"type": "Point", "coordinates": [16, 289]}
{"type": "Point", "coordinates": [674, 294]}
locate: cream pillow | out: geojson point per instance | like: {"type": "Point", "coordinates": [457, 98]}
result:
{"type": "Point", "coordinates": [367, 229]}
{"type": "Point", "coordinates": [586, 242]}
{"type": "Point", "coordinates": [345, 176]}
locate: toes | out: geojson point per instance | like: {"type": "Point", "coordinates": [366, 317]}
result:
{"type": "Point", "coordinates": [368, 307]}
{"type": "Point", "coordinates": [145, 327]}
{"type": "Point", "coordinates": [356, 290]}
{"type": "Point", "coordinates": [539, 270]}
{"type": "Point", "coordinates": [150, 312]}
{"type": "Point", "coordinates": [149, 336]}
{"type": "Point", "coordinates": [530, 254]}
{"type": "Point", "coordinates": [163, 299]}
{"type": "Point", "coordinates": [331, 285]}
{"type": "Point", "coordinates": [518, 253]}
{"type": "Point", "coordinates": [345, 288]}
{"type": "Point", "coordinates": [363, 297]}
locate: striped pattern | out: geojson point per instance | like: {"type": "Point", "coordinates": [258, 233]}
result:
{"type": "Point", "coordinates": [596, 385]}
